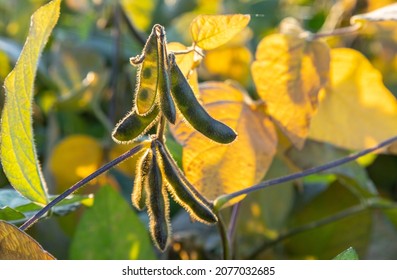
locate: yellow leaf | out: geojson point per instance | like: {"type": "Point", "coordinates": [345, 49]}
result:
{"type": "Point", "coordinates": [211, 31]}
{"type": "Point", "coordinates": [229, 62]}
{"type": "Point", "coordinates": [128, 167]}
{"type": "Point", "coordinates": [187, 63]}
{"type": "Point", "coordinates": [74, 158]}
{"type": "Point", "coordinates": [17, 245]}
{"type": "Point", "coordinates": [377, 4]}
{"type": "Point", "coordinates": [383, 14]}
{"type": "Point", "coordinates": [18, 153]}
{"type": "Point", "coordinates": [288, 74]}
{"type": "Point", "coordinates": [4, 65]}
{"type": "Point", "coordinates": [357, 111]}
{"type": "Point", "coordinates": [139, 12]}
{"type": "Point", "coordinates": [216, 169]}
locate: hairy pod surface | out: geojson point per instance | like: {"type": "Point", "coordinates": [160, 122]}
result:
{"type": "Point", "coordinates": [133, 126]}
{"type": "Point", "coordinates": [192, 110]}
{"type": "Point", "coordinates": [138, 196]}
{"type": "Point", "coordinates": [164, 88]}
{"type": "Point", "coordinates": [195, 205]}
{"type": "Point", "coordinates": [147, 76]}
{"type": "Point", "coordinates": [164, 153]}
{"type": "Point", "coordinates": [158, 206]}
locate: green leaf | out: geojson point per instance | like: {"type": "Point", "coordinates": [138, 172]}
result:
{"type": "Point", "coordinates": [327, 240]}
{"type": "Point", "coordinates": [80, 74]}
{"type": "Point", "coordinates": [352, 174]}
{"type": "Point", "coordinates": [17, 150]}
{"type": "Point", "coordinates": [110, 230]}
{"type": "Point", "coordinates": [391, 214]}
{"type": "Point", "coordinates": [348, 254]}
{"type": "Point", "coordinates": [11, 198]}
{"type": "Point", "coordinates": [262, 216]}
{"type": "Point", "coordinates": [17, 209]}
{"type": "Point", "coordinates": [7, 214]}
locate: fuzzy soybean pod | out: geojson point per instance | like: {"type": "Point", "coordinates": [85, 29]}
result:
{"type": "Point", "coordinates": [164, 88]}
{"type": "Point", "coordinates": [147, 76]}
{"type": "Point", "coordinates": [195, 205]}
{"type": "Point", "coordinates": [138, 196]}
{"type": "Point", "coordinates": [166, 154]}
{"type": "Point", "coordinates": [133, 126]}
{"type": "Point", "coordinates": [192, 110]}
{"type": "Point", "coordinates": [157, 205]}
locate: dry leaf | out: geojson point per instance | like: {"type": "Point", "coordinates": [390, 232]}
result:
{"type": "Point", "coordinates": [357, 111]}
{"type": "Point", "coordinates": [17, 245]}
{"type": "Point", "coordinates": [211, 31]}
{"type": "Point", "coordinates": [216, 169]}
{"type": "Point", "coordinates": [288, 74]}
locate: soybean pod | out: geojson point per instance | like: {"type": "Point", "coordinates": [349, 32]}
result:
{"type": "Point", "coordinates": [194, 204]}
{"type": "Point", "coordinates": [158, 206]}
{"type": "Point", "coordinates": [147, 76]}
{"type": "Point", "coordinates": [138, 196]}
{"type": "Point", "coordinates": [133, 126]}
{"type": "Point", "coordinates": [165, 153]}
{"type": "Point", "coordinates": [167, 105]}
{"type": "Point", "coordinates": [192, 110]}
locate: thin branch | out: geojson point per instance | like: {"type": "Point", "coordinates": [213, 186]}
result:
{"type": "Point", "coordinates": [221, 200]}
{"type": "Point", "coordinates": [233, 221]}
{"type": "Point", "coordinates": [339, 32]}
{"type": "Point", "coordinates": [161, 129]}
{"type": "Point", "coordinates": [115, 62]}
{"type": "Point", "coordinates": [190, 49]}
{"type": "Point", "coordinates": [224, 237]}
{"type": "Point", "coordinates": [80, 184]}
{"type": "Point", "coordinates": [316, 224]}
{"type": "Point", "coordinates": [179, 52]}
{"type": "Point", "coordinates": [131, 27]}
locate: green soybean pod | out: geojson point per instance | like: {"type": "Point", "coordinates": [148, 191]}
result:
{"type": "Point", "coordinates": [138, 196]}
{"type": "Point", "coordinates": [147, 76]}
{"type": "Point", "coordinates": [165, 153]}
{"type": "Point", "coordinates": [192, 110]}
{"type": "Point", "coordinates": [158, 206]}
{"type": "Point", "coordinates": [195, 205]}
{"type": "Point", "coordinates": [164, 88]}
{"type": "Point", "coordinates": [133, 126]}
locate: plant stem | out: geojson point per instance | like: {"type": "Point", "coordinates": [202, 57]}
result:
{"type": "Point", "coordinates": [115, 62]}
{"type": "Point", "coordinates": [80, 184]}
{"type": "Point", "coordinates": [161, 130]}
{"type": "Point", "coordinates": [221, 200]}
{"type": "Point", "coordinates": [131, 27]}
{"type": "Point", "coordinates": [190, 49]}
{"type": "Point", "coordinates": [100, 115]}
{"type": "Point", "coordinates": [224, 237]}
{"type": "Point", "coordinates": [316, 224]}
{"type": "Point", "coordinates": [338, 32]}
{"type": "Point", "coordinates": [233, 221]}
{"type": "Point", "coordinates": [368, 204]}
